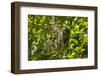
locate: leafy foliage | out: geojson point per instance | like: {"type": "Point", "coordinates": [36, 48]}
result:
{"type": "Point", "coordinates": [57, 37]}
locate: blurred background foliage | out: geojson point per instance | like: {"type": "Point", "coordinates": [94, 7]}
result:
{"type": "Point", "coordinates": [57, 37]}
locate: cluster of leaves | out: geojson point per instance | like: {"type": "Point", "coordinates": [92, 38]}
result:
{"type": "Point", "coordinates": [41, 37]}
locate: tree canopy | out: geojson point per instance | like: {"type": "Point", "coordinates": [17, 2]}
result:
{"type": "Point", "coordinates": [57, 37]}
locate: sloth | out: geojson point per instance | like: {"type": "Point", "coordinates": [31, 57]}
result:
{"type": "Point", "coordinates": [61, 41]}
